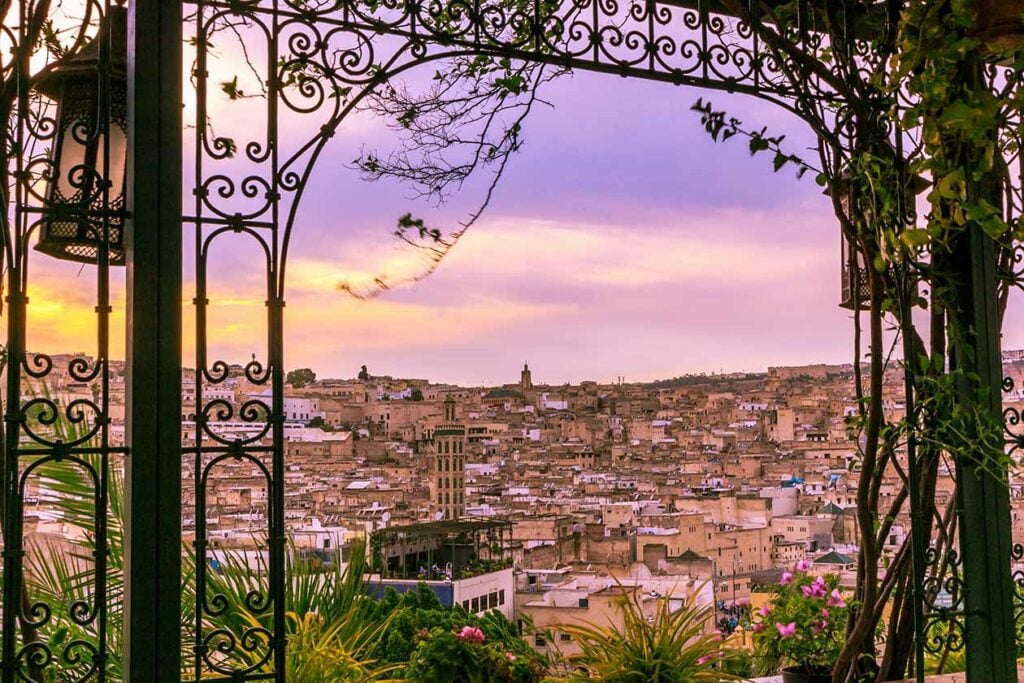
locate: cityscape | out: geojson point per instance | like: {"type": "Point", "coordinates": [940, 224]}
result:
{"type": "Point", "coordinates": [542, 502]}
{"type": "Point", "coordinates": [512, 341]}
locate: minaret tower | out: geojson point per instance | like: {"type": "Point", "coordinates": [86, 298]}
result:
{"type": "Point", "coordinates": [525, 379]}
{"type": "Point", "coordinates": [449, 465]}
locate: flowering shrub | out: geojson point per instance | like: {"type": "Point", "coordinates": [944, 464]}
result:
{"type": "Point", "coordinates": [466, 655]}
{"type": "Point", "coordinates": [805, 623]}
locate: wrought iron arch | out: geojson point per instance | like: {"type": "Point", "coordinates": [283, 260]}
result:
{"type": "Point", "coordinates": [325, 58]}
{"type": "Point", "coordinates": [319, 57]}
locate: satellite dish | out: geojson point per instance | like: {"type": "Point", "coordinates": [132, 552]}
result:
{"type": "Point", "coordinates": [386, 517]}
{"type": "Point", "coordinates": [438, 516]}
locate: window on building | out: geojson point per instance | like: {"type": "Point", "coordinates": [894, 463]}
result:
{"type": "Point", "coordinates": [465, 605]}
{"type": "Point", "coordinates": [564, 637]}
{"type": "Point", "coordinates": [476, 605]}
{"type": "Point", "coordinates": [538, 639]}
{"type": "Point", "coordinates": [501, 597]}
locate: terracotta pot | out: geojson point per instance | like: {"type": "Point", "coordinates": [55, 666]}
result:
{"type": "Point", "coordinates": [799, 674]}
{"type": "Point", "coordinates": [999, 23]}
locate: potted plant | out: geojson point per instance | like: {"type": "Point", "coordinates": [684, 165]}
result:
{"type": "Point", "coordinates": [803, 626]}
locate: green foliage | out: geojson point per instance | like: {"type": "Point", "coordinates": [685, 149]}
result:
{"type": "Point", "coordinates": [805, 624]}
{"type": "Point", "coordinates": [418, 622]}
{"type": "Point", "coordinates": [319, 423]}
{"type": "Point", "coordinates": [469, 655]}
{"type": "Point", "coordinates": [300, 377]}
{"type": "Point", "coordinates": [666, 647]}
{"type": "Point", "coordinates": [721, 127]}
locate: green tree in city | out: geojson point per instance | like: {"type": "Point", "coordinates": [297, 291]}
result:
{"type": "Point", "coordinates": [300, 377]}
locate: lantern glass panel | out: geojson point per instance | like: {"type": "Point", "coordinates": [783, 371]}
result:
{"type": "Point", "coordinates": [86, 190]}
{"type": "Point", "coordinates": [76, 120]}
{"type": "Point", "coordinates": [118, 160]}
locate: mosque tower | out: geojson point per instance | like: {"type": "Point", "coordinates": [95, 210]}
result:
{"type": "Point", "coordinates": [449, 465]}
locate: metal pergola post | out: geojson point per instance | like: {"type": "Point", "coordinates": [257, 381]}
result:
{"type": "Point", "coordinates": [983, 503]}
{"type": "Point", "coordinates": [152, 614]}
{"type": "Point", "coordinates": [983, 496]}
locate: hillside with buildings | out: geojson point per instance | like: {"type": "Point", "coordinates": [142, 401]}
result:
{"type": "Point", "coordinates": [544, 501]}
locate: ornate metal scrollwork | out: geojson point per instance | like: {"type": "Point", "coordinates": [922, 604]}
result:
{"type": "Point", "coordinates": [943, 597]}
{"type": "Point", "coordinates": [320, 60]}
{"type": "Point", "coordinates": [58, 408]}
{"type": "Point", "coordinates": [313, 58]}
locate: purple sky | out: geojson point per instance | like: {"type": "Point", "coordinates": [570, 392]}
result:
{"type": "Point", "coordinates": [622, 242]}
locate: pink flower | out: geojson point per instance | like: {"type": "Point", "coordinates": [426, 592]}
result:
{"type": "Point", "coordinates": [803, 565]}
{"type": "Point", "coordinates": [758, 627]}
{"type": "Point", "coordinates": [765, 610]}
{"type": "Point", "coordinates": [818, 589]}
{"type": "Point", "coordinates": [787, 578]}
{"type": "Point", "coordinates": [471, 634]}
{"type": "Point", "coordinates": [824, 613]}
{"type": "Point", "coordinates": [702, 660]}
{"type": "Point", "coordinates": [816, 628]}
{"type": "Point", "coordinates": [836, 599]}
{"type": "Point", "coordinates": [510, 657]}
{"type": "Point", "coordinates": [786, 630]}
{"type": "Point", "coordinates": [721, 654]}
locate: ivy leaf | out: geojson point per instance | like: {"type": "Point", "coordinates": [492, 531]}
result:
{"type": "Point", "coordinates": [779, 161]}
{"type": "Point", "coordinates": [915, 238]}
{"type": "Point", "coordinates": [757, 144]}
{"type": "Point", "coordinates": [231, 89]}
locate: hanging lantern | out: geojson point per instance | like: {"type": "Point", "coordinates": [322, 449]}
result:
{"type": "Point", "coordinates": [855, 289]}
{"type": "Point", "coordinates": [89, 154]}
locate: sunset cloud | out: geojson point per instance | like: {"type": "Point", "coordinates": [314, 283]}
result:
{"type": "Point", "coordinates": [621, 241]}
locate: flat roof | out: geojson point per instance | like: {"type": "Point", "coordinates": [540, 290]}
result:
{"type": "Point", "coordinates": [445, 526]}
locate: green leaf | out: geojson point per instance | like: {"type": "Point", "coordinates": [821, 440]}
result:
{"type": "Point", "coordinates": [915, 237]}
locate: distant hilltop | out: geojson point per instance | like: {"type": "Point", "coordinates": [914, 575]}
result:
{"type": "Point", "coordinates": [774, 374]}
